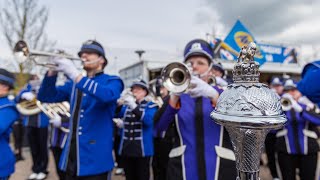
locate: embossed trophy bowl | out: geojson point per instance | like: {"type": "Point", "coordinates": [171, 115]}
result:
{"type": "Point", "coordinates": [249, 110]}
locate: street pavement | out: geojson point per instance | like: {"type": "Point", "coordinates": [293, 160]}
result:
{"type": "Point", "coordinates": [23, 169]}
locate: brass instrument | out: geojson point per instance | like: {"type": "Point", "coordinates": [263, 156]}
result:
{"type": "Point", "coordinates": [176, 77]}
{"type": "Point", "coordinates": [286, 104]}
{"type": "Point", "coordinates": [23, 53]}
{"type": "Point", "coordinates": [212, 81]}
{"type": "Point", "coordinates": [54, 110]}
{"type": "Point", "coordinates": [28, 108]}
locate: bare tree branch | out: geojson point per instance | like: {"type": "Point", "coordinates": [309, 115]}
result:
{"type": "Point", "coordinates": [25, 20]}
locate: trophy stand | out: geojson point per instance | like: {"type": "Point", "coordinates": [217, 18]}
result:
{"type": "Point", "coordinates": [249, 110]}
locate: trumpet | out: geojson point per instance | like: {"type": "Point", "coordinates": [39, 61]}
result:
{"type": "Point", "coordinates": [53, 110]}
{"type": "Point", "coordinates": [286, 104]}
{"type": "Point", "coordinates": [176, 77]}
{"type": "Point", "coordinates": [23, 53]}
{"type": "Point", "coordinates": [212, 81]}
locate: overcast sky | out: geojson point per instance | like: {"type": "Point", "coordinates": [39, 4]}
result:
{"type": "Point", "coordinates": [162, 28]}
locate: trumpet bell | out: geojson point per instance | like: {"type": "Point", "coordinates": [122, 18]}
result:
{"type": "Point", "coordinates": [286, 104]}
{"type": "Point", "coordinates": [21, 47]}
{"type": "Point", "coordinates": [23, 53]}
{"type": "Point", "coordinates": [176, 77]}
{"type": "Point", "coordinates": [212, 81]}
{"type": "Point", "coordinates": [28, 108]}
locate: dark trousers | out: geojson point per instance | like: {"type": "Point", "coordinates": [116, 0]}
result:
{"type": "Point", "coordinates": [270, 145]}
{"type": "Point", "coordinates": [38, 141]}
{"type": "Point", "coordinates": [161, 158]}
{"type": "Point", "coordinates": [57, 154]}
{"type": "Point", "coordinates": [116, 145]}
{"type": "Point", "coordinates": [307, 165]}
{"type": "Point", "coordinates": [137, 168]}
{"type": "Point", "coordinates": [104, 176]}
{"type": "Point", "coordinates": [18, 137]}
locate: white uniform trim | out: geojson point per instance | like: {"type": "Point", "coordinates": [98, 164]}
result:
{"type": "Point", "coordinates": [218, 158]}
{"type": "Point", "coordinates": [91, 83]}
{"type": "Point", "coordinates": [95, 88]}
{"type": "Point", "coordinates": [181, 144]}
{"type": "Point", "coordinates": [86, 83]}
{"type": "Point", "coordinates": [305, 138]}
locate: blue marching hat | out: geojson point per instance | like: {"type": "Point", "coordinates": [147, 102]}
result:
{"type": "Point", "coordinates": [141, 83]}
{"type": "Point", "coordinates": [289, 85]}
{"type": "Point", "coordinates": [7, 78]}
{"type": "Point", "coordinates": [198, 47]}
{"type": "Point", "coordinates": [92, 46]}
{"type": "Point", "coordinates": [276, 81]}
{"type": "Point", "coordinates": [218, 67]}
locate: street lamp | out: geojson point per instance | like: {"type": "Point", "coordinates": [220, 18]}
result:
{"type": "Point", "coordinates": [140, 52]}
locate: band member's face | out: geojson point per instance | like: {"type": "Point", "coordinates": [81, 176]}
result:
{"type": "Point", "coordinates": [92, 61]}
{"type": "Point", "coordinates": [138, 92]}
{"type": "Point", "coordinates": [216, 73]}
{"type": "Point", "coordinates": [4, 89]}
{"type": "Point", "coordinates": [295, 94]}
{"type": "Point", "coordinates": [277, 88]}
{"type": "Point", "coordinates": [199, 64]}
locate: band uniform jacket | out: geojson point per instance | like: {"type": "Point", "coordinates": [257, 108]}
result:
{"type": "Point", "coordinates": [203, 149]}
{"type": "Point", "coordinates": [300, 134]}
{"type": "Point", "coordinates": [8, 115]}
{"type": "Point", "coordinates": [92, 104]}
{"type": "Point", "coordinates": [137, 132]}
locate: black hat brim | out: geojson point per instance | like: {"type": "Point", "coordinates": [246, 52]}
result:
{"type": "Point", "coordinates": [92, 51]}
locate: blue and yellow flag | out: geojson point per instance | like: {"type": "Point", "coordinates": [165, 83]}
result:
{"type": "Point", "coordinates": [239, 36]}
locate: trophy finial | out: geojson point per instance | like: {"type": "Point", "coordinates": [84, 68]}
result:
{"type": "Point", "coordinates": [246, 69]}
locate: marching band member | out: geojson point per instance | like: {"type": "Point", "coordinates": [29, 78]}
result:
{"type": "Point", "coordinates": [297, 145]}
{"type": "Point", "coordinates": [8, 115]}
{"type": "Point", "coordinates": [276, 85]}
{"type": "Point", "coordinates": [163, 141]}
{"type": "Point", "coordinates": [309, 84]}
{"type": "Point", "coordinates": [199, 152]}
{"type": "Point", "coordinates": [58, 140]}
{"type": "Point", "coordinates": [18, 134]}
{"type": "Point", "coordinates": [87, 153]}
{"type": "Point", "coordinates": [37, 132]}
{"type": "Point", "coordinates": [136, 145]}
{"type": "Point", "coordinates": [218, 72]}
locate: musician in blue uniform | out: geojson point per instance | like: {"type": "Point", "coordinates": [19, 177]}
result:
{"type": "Point", "coordinates": [163, 141]}
{"type": "Point", "coordinates": [218, 72]}
{"type": "Point", "coordinates": [136, 145]}
{"type": "Point", "coordinates": [8, 114]}
{"type": "Point", "coordinates": [87, 153]}
{"type": "Point", "coordinates": [297, 145]}
{"type": "Point", "coordinates": [309, 85]}
{"type": "Point", "coordinates": [276, 85]}
{"type": "Point", "coordinates": [37, 132]}
{"type": "Point", "coordinates": [199, 151]}
{"type": "Point", "coordinates": [59, 134]}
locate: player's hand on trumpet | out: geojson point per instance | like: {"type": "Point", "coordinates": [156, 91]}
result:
{"type": "Point", "coordinates": [66, 66]}
{"type": "Point", "coordinates": [56, 121]}
{"type": "Point", "coordinates": [199, 88]}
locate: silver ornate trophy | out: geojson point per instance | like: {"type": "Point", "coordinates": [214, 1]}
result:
{"type": "Point", "coordinates": [248, 109]}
